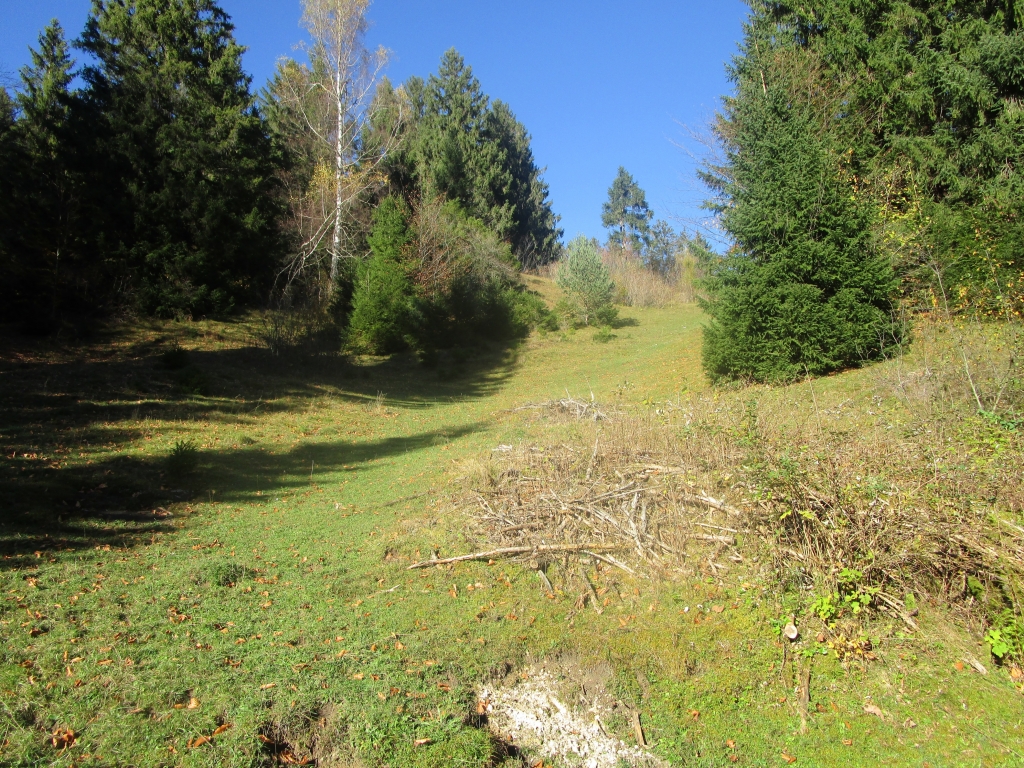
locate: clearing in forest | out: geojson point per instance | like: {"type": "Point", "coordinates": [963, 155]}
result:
{"type": "Point", "coordinates": [206, 550]}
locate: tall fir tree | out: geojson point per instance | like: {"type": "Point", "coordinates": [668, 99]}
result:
{"type": "Point", "coordinates": [467, 149]}
{"type": "Point", "coordinates": [51, 278]}
{"type": "Point", "coordinates": [10, 180]}
{"type": "Point", "coordinates": [626, 213]}
{"type": "Point", "coordinates": [188, 164]}
{"type": "Point", "coordinates": [803, 290]}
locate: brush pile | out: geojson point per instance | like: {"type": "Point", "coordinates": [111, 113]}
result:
{"type": "Point", "coordinates": [841, 500]}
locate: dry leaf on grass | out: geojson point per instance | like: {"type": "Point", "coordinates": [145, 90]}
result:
{"type": "Point", "coordinates": [788, 758]}
{"type": "Point", "coordinates": [63, 738]}
{"type": "Point", "coordinates": [871, 709]}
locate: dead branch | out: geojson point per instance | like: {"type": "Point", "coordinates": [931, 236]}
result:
{"type": "Point", "coordinates": [513, 551]}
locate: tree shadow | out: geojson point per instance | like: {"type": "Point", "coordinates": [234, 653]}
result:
{"type": "Point", "coordinates": [61, 407]}
{"type": "Point", "coordinates": [128, 500]}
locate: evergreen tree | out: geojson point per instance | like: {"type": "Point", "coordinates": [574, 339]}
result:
{"type": "Point", "coordinates": [10, 182]}
{"type": "Point", "coordinates": [382, 302]}
{"type": "Point", "coordinates": [626, 213]}
{"type": "Point", "coordinates": [587, 283]}
{"type": "Point", "coordinates": [478, 154]}
{"type": "Point", "coordinates": [924, 99]}
{"type": "Point", "coordinates": [662, 246]}
{"type": "Point", "coordinates": [803, 290]}
{"type": "Point", "coordinates": [187, 162]}
{"type": "Point", "coordinates": [47, 199]}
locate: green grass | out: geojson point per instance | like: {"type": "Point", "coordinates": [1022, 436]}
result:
{"type": "Point", "coordinates": [269, 582]}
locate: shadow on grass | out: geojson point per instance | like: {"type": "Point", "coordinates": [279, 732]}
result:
{"type": "Point", "coordinates": [58, 407]}
{"type": "Point", "coordinates": [128, 500]}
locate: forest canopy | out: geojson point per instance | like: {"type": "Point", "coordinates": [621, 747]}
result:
{"type": "Point", "coordinates": [872, 154]}
{"type": "Point", "coordinates": [153, 180]}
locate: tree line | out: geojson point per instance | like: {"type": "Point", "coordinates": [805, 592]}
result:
{"type": "Point", "coordinates": [872, 154]}
{"type": "Point", "coordinates": [153, 180]}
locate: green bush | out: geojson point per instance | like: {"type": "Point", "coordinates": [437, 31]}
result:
{"type": "Point", "coordinates": [382, 309]}
{"type": "Point", "coordinates": [183, 459]}
{"type": "Point", "coordinates": [588, 286]}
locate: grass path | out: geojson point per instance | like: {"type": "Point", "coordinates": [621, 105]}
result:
{"type": "Point", "coordinates": [273, 609]}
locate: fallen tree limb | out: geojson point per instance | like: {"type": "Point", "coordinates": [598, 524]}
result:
{"type": "Point", "coordinates": [707, 501]}
{"type": "Point", "coordinates": [512, 551]}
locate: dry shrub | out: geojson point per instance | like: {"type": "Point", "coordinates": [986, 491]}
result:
{"type": "Point", "coordinates": [636, 285]}
{"type": "Point", "coordinates": [899, 481]}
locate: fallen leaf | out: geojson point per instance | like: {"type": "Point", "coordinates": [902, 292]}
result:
{"type": "Point", "coordinates": [105, 662]}
{"type": "Point", "coordinates": [63, 738]}
{"type": "Point", "coordinates": [694, 714]}
{"type": "Point", "coordinates": [399, 647]}
{"type": "Point", "coordinates": [959, 666]}
{"type": "Point", "coordinates": [718, 608]}
{"type": "Point", "coordinates": [908, 723]}
{"type": "Point", "coordinates": [871, 709]}
{"type": "Point", "coordinates": [788, 758]}
{"type": "Point", "coordinates": [193, 703]}
{"type": "Point", "coordinates": [268, 686]}
{"type": "Point", "coordinates": [734, 758]}
{"type": "Point", "coordinates": [220, 729]}
{"type": "Point", "coordinates": [358, 676]}
{"type": "Point", "coordinates": [730, 744]}
{"type": "Point", "coordinates": [421, 742]}
{"type": "Point", "coordinates": [848, 742]}
{"type": "Point", "coordinates": [199, 742]}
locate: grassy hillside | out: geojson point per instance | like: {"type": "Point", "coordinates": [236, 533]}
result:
{"type": "Point", "coordinates": [247, 602]}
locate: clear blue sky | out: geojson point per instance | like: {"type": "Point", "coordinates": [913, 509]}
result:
{"type": "Point", "coordinates": [598, 84]}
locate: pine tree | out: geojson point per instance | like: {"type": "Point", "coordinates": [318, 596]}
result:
{"type": "Point", "coordinates": [47, 202]}
{"type": "Point", "coordinates": [626, 213]}
{"type": "Point", "coordinates": [478, 154]}
{"type": "Point", "coordinates": [587, 283]}
{"type": "Point", "coordinates": [382, 308]}
{"type": "Point", "coordinates": [186, 158]}
{"type": "Point", "coordinates": [662, 245]}
{"type": "Point", "coordinates": [803, 291]}
{"type": "Point", "coordinates": [10, 182]}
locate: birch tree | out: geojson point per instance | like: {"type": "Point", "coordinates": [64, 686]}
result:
{"type": "Point", "coordinates": [323, 107]}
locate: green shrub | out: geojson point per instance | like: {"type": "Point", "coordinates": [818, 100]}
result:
{"type": "Point", "coordinates": [183, 459]}
{"type": "Point", "coordinates": [382, 309]}
{"type": "Point", "coordinates": [589, 290]}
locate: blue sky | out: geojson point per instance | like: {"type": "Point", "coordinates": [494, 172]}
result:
{"type": "Point", "coordinates": [598, 84]}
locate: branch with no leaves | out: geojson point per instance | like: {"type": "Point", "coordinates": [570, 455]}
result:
{"type": "Point", "coordinates": [513, 551]}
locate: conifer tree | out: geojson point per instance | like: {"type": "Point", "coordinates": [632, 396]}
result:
{"type": "Point", "coordinates": [47, 200]}
{"type": "Point", "coordinates": [187, 161]}
{"type": "Point", "coordinates": [803, 291]}
{"type": "Point", "coordinates": [478, 154]}
{"type": "Point", "coordinates": [380, 322]}
{"type": "Point", "coordinates": [587, 283]}
{"type": "Point", "coordinates": [9, 182]}
{"type": "Point", "coordinates": [626, 213]}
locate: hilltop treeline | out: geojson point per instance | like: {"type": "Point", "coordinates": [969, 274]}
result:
{"type": "Point", "coordinates": [872, 154]}
{"type": "Point", "coordinates": [153, 180]}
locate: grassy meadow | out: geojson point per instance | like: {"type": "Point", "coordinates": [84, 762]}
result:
{"type": "Point", "coordinates": [205, 550]}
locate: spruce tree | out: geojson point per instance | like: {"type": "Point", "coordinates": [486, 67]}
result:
{"type": "Point", "coordinates": [48, 199]}
{"type": "Point", "coordinates": [382, 309]}
{"type": "Point", "coordinates": [10, 182]}
{"type": "Point", "coordinates": [626, 213]}
{"type": "Point", "coordinates": [476, 153]}
{"type": "Point", "coordinates": [187, 160]}
{"type": "Point", "coordinates": [587, 284]}
{"type": "Point", "coordinates": [803, 290]}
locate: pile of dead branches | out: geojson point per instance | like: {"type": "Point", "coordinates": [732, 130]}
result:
{"type": "Point", "coordinates": [546, 504]}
